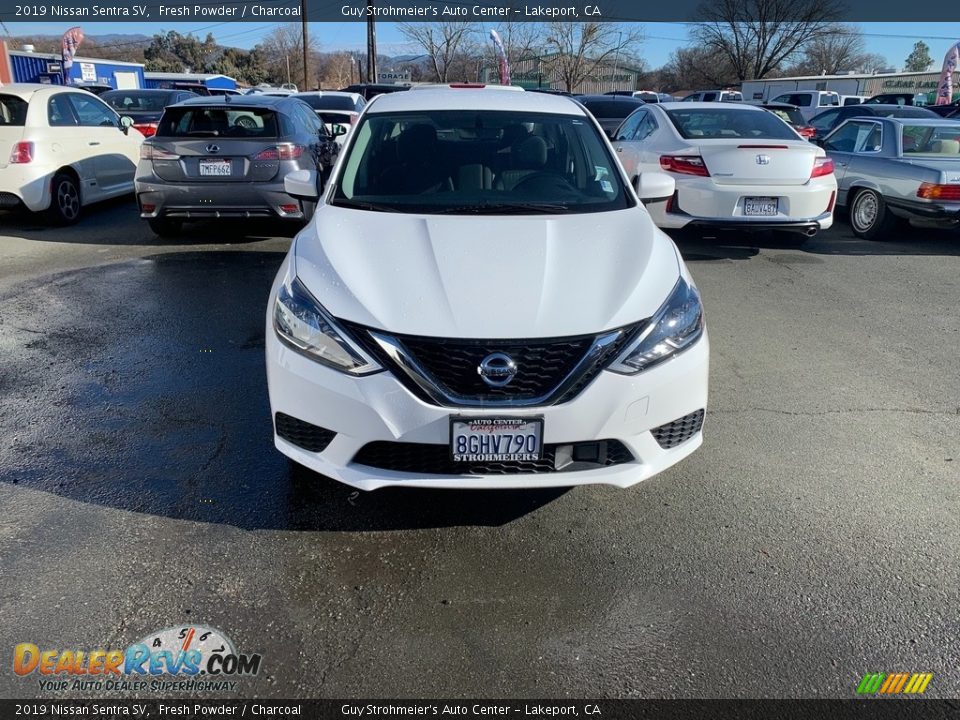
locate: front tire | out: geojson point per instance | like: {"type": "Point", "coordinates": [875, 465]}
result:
{"type": "Point", "coordinates": [869, 217]}
{"type": "Point", "coordinates": [165, 228]}
{"type": "Point", "coordinates": [64, 200]}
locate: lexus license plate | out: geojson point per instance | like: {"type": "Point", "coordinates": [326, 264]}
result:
{"type": "Point", "coordinates": [760, 206]}
{"type": "Point", "coordinates": [218, 168]}
{"type": "Point", "coordinates": [496, 439]}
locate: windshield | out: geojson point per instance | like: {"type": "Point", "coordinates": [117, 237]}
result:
{"type": "Point", "coordinates": [330, 102]}
{"type": "Point", "coordinates": [733, 123]}
{"type": "Point", "coordinates": [475, 161]}
{"type": "Point", "coordinates": [940, 140]}
{"type": "Point", "coordinates": [138, 101]}
{"type": "Point", "coordinates": [609, 109]}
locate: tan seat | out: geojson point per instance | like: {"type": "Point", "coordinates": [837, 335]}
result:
{"type": "Point", "coordinates": [946, 147]}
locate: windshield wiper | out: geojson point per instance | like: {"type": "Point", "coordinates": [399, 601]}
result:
{"type": "Point", "coordinates": [364, 205]}
{"type": "Point", "coordinates": [514, 208]}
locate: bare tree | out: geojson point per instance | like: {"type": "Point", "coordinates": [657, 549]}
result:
{"type": "Point", "coordinates": [758, 36]}
{"type": "Point", "coordinates": [335, 70]}
{"type": "Point", "coordinates": [577, 50]}
{"type": "Point", "coordinates": [448, 45]}
{"type": "Point", "coordinates": [696, 67]}
{"type": "Point", "coordinates": [284, 45]}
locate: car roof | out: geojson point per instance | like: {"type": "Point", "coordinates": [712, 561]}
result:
{"type": "Point", "coordinates": [330, 93]}
{"type": "Point", "coordinates": [926, 121]}
{"type": "Point", "coordinates": [228, 101]}
{"type": "Point", "coordinates": [147, 91]}
{"type": "Point", "coordinates": [611, 98]}
{"type": "Point", "coordinates": [692, 105]}
{"type": "Point", "coordinates": [27, 90]}
{"type": "Point", "coordinates": [474, 99]}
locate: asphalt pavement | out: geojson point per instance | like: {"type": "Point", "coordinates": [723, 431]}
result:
{"type": "Point", "coordinates": [813, 538]}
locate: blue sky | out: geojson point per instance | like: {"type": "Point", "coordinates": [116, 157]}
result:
{"type": "Point", "coordinates": [892, 40]}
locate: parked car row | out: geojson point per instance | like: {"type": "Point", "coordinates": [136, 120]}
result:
{"type": "Point", "coordinates": [185, 156]}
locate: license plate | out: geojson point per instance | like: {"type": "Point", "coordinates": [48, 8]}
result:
{"type": "Point", "coordinates": [219, 168]}
{"type": "Point", "coordinates": [760, 206]}
{"type": "Point", "coordinates": [496, 439]}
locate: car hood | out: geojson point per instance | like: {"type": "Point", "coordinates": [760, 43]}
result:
{"type": "Point", "coordinates": [488, 277]}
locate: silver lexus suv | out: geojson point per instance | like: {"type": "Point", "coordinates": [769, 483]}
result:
{"type": "Point", "coordinates": [226, 157]}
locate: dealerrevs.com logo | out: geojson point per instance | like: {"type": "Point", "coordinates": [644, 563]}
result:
{"type": "Point", "coordinates": [187, 658]}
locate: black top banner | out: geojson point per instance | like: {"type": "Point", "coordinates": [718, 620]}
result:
{"type": "Point", "coordinates": [490, 11]}
{"type": "Point", "coordinates": [109, 709]}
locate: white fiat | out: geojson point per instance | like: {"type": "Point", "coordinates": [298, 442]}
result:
{"type": "Point", "coordinates": [482, 301]}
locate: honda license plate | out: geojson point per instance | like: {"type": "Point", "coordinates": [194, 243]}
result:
{"type": "Point", "coordinates": [496, 439]}
{"type": "Point", "coordinates": [217, 168]}
{"type": "Point", "coordinates": [760, 206]}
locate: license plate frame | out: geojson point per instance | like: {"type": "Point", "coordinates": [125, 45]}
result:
{"type": "Point", "coordinates": [206, 164]}
{"type": "Point", "coordinates": [758, 206]}
{"type": "Point", "coordinates": [500, 427]}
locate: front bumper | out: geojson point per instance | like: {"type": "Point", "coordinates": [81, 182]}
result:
{"type": "Point", "coordinates": [703, 202]}
{"type": "Point", "coordinates": [379, 408]}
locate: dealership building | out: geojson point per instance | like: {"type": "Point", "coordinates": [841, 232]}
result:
{"type": "Point", "coordinates": [917, 83]}
{"type": "Point", "coordinates": [26, 66]}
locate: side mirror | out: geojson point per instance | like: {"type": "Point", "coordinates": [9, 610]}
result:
{"type": "Point", "coordinates": [653, 186]}
{"type": "Point", "coordinates": [337, 129]}
{"type": "Point", "coordinates": [301, 185]}
{"type": "Point", "coordinates": [126, 122]}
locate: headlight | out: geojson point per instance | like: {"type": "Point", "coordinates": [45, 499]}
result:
{"type": "Point", "coordinates": [307, 328]}
{"type": "Point", "coordinates": [677, 325]}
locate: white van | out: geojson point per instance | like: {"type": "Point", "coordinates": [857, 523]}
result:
{"type": "Point", "coordinates": [809, 102]}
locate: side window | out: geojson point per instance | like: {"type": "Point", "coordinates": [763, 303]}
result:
{"type": "Point", "coordinates": [852, 136]}
{"type": "Point", "coordinates": [630, 125]}
{"type": "Point", "coordinates": [709, 97]}
{"type": "Point", "coordinates": [647, 126]}
{"type": "Point", "coordinates": [92, 113]}
{"type": "Point", "coordinates": [60, 112]}
{"type": "Point", "coordinates": [825, 120]}
{"type": "Point", "coordinates": [871, 140]}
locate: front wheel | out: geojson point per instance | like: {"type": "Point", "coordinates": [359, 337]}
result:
{"type": "Point", "coordinates": [869, 217]}
{"type": "Point", "coordinates": [64, 200]}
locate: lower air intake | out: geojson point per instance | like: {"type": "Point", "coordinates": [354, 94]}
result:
{"type": "Point", "coordinates": [303, 434]}
{"type": "Point", "coordinates": [678, 431]}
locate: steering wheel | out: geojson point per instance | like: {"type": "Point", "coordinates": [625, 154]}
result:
{"type": "Point", "coordinates": [546, 181]}
{"type": "Point", "coordinates": [246, 122]}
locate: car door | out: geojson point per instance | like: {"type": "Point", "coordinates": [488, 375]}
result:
{"type": "Point", "coordinates": [847, 146]}
{"type": "Point", "coordinates": [116, 152]}
{"type": "Point", "coordinates": [68, 142]}
{"type": "Point", "coordinates": [623, 141]}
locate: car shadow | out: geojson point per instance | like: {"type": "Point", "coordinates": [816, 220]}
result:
{"type": "Point", "coordinates": [117, 222]}
{"type": "Point", "coordinates": [146, 392]}
{"type": "Point", "coordinates": [838, 240]}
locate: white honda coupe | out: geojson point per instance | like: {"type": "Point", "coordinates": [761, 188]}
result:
{"type": "Point", "coordinates": [736, 166]}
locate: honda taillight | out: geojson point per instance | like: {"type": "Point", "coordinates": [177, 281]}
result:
{"type": "Point", "coordinates": [685, 165]}
{"type": "Point", "coordinates": [286, 151]}
{"type": "Point", "coordinates": [821, 166]}
{"type": "Point", "coordinates": [146, 129]}
{"type": "Point", "coordinates": [21, 152]}
{"type": "Point", "coordinates": [148, 151]}
{"type": "Point", "coordinates": [933, 191]}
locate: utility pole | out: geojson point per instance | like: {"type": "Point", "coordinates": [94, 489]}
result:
{"type": "Point", "coordinates": [371, 44]}
{"type": "Point", "coordinates": [306, 48]}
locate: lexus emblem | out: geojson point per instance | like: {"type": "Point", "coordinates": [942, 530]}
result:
{"type": "Point", "coordinates": [497, 369]}
{"type": "Point", "coordinates": [763, 159]}
{"type": "Point", "coordinates": [211, 148]}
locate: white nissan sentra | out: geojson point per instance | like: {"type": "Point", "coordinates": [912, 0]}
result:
{"type": "Point", "coordinates": [482, 301]}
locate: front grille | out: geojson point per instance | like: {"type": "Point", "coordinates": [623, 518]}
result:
{"type": "Point", "coordinates": [678, 431]}
{"type": "Point", "coordinates": [436, 460]}
{"type": "Point", "coordinates": [303, 434]}
{"type": "Point", "coordinates": [444, 371]}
